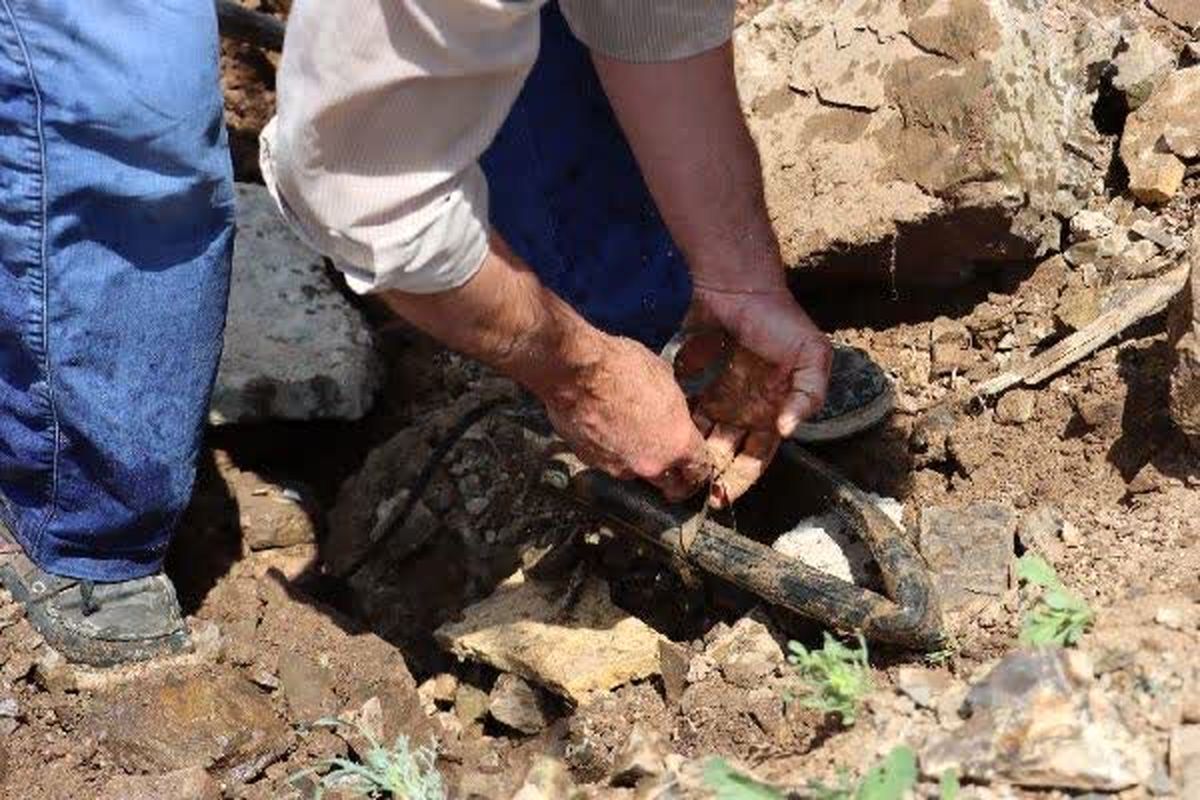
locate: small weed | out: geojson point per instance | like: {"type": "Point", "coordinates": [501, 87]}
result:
{"type": "Point", "coordinates": [727, 783]}
{"type": "Point", "coordinates": [836, 677]}
{"type": "Point", "coordinates": [1060, 617]}
{"type": "Point", "coordinates": [948, 786]}
{"type": "Point", "coordinates": [891, 780]}
{"type": "Point", "coordinates": [400, 772]}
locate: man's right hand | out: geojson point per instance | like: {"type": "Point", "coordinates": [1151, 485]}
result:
{"type": "Point", "coordinates": [625, 414]}
{"type": "Point", "coordinates": [614, 402]}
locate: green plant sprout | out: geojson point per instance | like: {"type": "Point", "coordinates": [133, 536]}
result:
{"type": "Point", "coordinates": [948, 786]}
{"type": "Point", "coordinates": [836, 678]}
{"type": "Point", "coordinates": [726, 783]}
{"type": "Point", "coordinates": [399, 772]}
{"type": "Point", "coordinates": [1060, 617]}
{"type": "Point", "coordinates": [893, 779]}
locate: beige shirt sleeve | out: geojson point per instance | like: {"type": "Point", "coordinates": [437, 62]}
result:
{"type": "Point", "coordinates": [386, 105]}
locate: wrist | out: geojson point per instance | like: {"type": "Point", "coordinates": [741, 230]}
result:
{"type": "Point", "coordinates": [556, 357]}
{"type": "Point", "coordinates": [747, 268]}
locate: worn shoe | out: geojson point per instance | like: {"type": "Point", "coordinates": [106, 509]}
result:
{"type": "Point", "coordinates": [860, 396]}
{"type": "Point", "coordinates": [100, 624]}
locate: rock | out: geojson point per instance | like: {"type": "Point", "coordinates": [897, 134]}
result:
{"type": "Point", "coordinates": [923, 686]}
{"type": "Point", "coordinates": [674, 662]}
{"type": "Point", "coordinates": [881, 124]}
{"type": "Point", "coordinates": [192, 783]}
{"type": "Point", "coordinates": [747, 654]}
{"type": "Point", "coordinates": [1141, 67]}
{"type": "Point", "coordinates": [1042, 531]}
{"type": "Point", "coordinates": [600, 729]}
{"type": "Point", "coordinates": [1184, 13]}
{"type": "Point", "coordinates": [1139, 253]}
{"type": "Point", "coordinates": [1185, 760]}
{"type": "Point", "coordinates": [825, 542]}
{"type": "Point", "coordinates": [1016, 407]}
{"type": "Point", "coordinates": [1089, 225]}
{"type": "Point", "coordinates": [589, 648]}
{"type": "Point", "coordinates": [294, 347]}
{"type": "Point", "coordinates": [1183, 335]}
{"type": "Point", "coordinates": [470, 703]}
{"type": "Point", "coordinates": [643, 756]}
{"type": "Point", "coordinates": [969, 551]}
{"type": "Point", "coordinates": [547, 779]}
{"type": "Point", "coordinates": [1171, 117]}
{"type": "Point", "coordinates": [1078, 307]}
{"type": "Point", "coordinates": [515, 703]}
{"type": "Point", "coordinates": [272, 515]}
{"type": "Point", "coordinates": [1170, 617]}
{"type": "Point", "coordinates": [307, 687]}
{"type": "Point", "coordinates": [54, 673]}
{"type": "Point", "coordinates": [220, 722]}
{"type": "Point", "coordinates": [1036, 720]}
{"type": "Point", "coordinates": [439, 690]}
{"type": "Point", "coordinates": [371, 503]}
{"type": "Point", "coordinates": [1154, 232]}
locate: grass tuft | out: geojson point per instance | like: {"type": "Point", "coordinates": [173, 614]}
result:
{"type": "Point", "coordinates": [836, 678]}
{"type": "Point", "coordinates": [1059, 617]}
{"type": "Point", "coordinates": [398, 772]}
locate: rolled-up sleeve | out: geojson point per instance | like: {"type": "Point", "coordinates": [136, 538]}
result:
{"type": "Point", "coordinates": [385, 106]}
{"type": "Point", "coordinates": [384, 109]}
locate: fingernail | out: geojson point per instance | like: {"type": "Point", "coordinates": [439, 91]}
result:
{"type": "Point", "coordinates": [787, 423]}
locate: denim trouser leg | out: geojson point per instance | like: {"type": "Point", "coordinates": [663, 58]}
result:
{"type": "Point", "coordinates": [567, 195]}
{"type": "Point", "coordinates": [116, 214]}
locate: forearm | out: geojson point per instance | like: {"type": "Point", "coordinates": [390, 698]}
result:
{"type": "Point", "coordinates": [685, 125]}
{"type": "Point", "coordinates": [505, 318]}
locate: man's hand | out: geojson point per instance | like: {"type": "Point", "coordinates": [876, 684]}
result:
{"type": "Point", "coordinates": [685, 125]}
{"type": "Point", "coordinates": [776, 378]}
{"type": "Point", "coordinates": [611, 399]}
{"type": "Point", "coordinates": [626, 415]}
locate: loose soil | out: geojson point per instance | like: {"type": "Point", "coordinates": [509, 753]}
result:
{"type": "Point", "coordinates": [1099, 447]}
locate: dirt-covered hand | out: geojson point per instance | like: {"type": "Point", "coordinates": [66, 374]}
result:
{"type": "Point", "coordinates": [776, 378]}
{"type": "Point", "coordinates": [626, 415]}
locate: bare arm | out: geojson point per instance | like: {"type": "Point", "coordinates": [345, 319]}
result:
{"type": "Point", "coordinates": [685, 125]}
{"type": "Point", "coordinates": [613, 400]}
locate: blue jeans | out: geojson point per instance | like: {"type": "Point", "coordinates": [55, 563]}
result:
{"type": "Point", "coordinates": [116, 223]}
{"type": "Point", "coordinates": [567, 195]}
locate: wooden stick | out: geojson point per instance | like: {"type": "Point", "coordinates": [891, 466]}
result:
{"type": "Point", "coordinates": [1139, 304]}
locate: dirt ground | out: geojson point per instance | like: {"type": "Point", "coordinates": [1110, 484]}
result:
{"type": "Point", "coordinates": [1098, 446]}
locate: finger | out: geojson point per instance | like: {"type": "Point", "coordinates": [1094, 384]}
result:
{"type": "Point", "coordinates": [806, 397]}
{"type": "Point", "coordinates": [687, 476]}
{"type": "Point", "coordinates": [723, 443]}
{"type": "Point", "coordinates": [702, 423]}
{"type": "Point", "coordinates": [749, 465]}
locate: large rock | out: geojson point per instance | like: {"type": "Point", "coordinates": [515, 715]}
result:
{"type": "Point", "coordinates": [213, 722]}
{"type": "Point", "coordinates": [969, 551]}
{"type": "Point", "coordinates": [907, 136]}
{"type": "Point", "coordinates": [1161, 135]}
{"type": "Point", "coordinates": [1184, 336]}
{"type": "Point", "coordinates": [1184, 13]}
{"type": "Point", "coordinates": [294, 348]}
{"type": "Point", "coordinates": [577, 652]}
{"type": "Point", "coordinates": [1037, 720]}
{"type": "Point", "coordinates": [1141, 67]}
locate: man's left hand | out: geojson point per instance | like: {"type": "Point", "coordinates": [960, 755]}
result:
{"type": "Point", "coordinates": [776, 378]}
